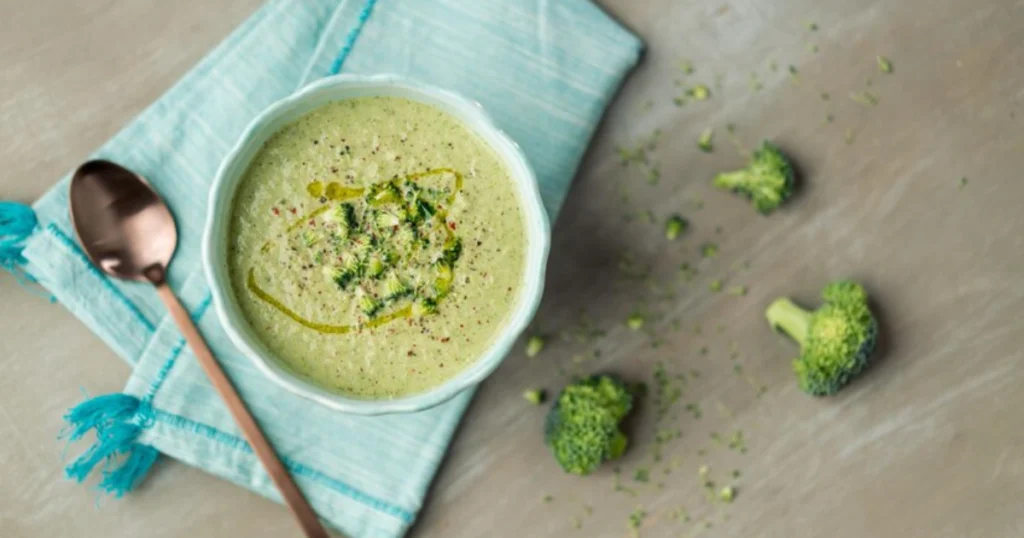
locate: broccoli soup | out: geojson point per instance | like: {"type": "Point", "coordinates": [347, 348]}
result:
{"type": "Point", "coordinates": [377, 246]}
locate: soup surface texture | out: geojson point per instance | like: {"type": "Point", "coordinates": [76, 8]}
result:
{"type": "Point", "coordinates": [377, 246]}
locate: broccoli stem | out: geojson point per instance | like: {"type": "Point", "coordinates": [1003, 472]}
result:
{"type": "Point", "coordinates": [788, 317]}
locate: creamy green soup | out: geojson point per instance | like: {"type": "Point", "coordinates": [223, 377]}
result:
{"type": "Point", "coordinates": [377, 246]}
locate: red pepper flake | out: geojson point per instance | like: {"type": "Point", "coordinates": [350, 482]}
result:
{"type": "Point", "coordinates": [451, 225]}
{"type": "Point", "coordinates": [276, 211]}
{"type": "Point", "coordinates": [312, 222]}
{"type": "Point", "coordinates": [445, 340]}
{"type": "Point", "coordinates": [293, 210]}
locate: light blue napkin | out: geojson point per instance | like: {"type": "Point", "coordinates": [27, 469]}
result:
{"type": "Point", "coordinates": [546, 72]}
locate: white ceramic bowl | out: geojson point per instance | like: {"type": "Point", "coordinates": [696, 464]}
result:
{"type": "Point", "coordinates": [215, 237]}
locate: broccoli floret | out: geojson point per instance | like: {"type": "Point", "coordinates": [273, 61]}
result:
{"type": "Point", "coordinates": [368, 304]}
{"type": "Point", "coordinates": [674, 226]}
{"type": "Point", "coordinates": [393, 287]}
{"type": "Point", "coordinates": [836, 340]}
{"type": "Point", "coordinates": [383, 193]}
{"type": "Point", "coordinates": [310, 238]}
{"type": "Point", "coordinates": [423, 306]}
{"type": "Point", "coordinates": [768, 180]}
{"type": "Point", "coordinates": [420, 210]}
{"type": "Point", "coordinates": [582, 428]}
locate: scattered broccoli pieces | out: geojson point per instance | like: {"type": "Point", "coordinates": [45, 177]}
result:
{"type": "Point", "coordinates": [884, 65]}
{"type": "Point", "coordinates": [727, 494]}
{"type": "Point", "coordinates": [393, 288]}
{"type": "Point", "coordinates": [674, 226]}
{"type": "Point", "coordinates": [963, 183]}
{"type": "Point", "coordinates": [739, 291]}
{"type": "Point", "coordinates": [534, 345]}
{"type": "Point", "coordinates": [443, 278]}
{"type": "Point", "coordinates": [368, 304]}
{"type": "Point", "coordinates": [686, 67]}
{"type": "Point", "coordinates": [421, 210]}
{"type": "Point", "coordinates": [865, 98]}
{"type": "Point", "coordinates": [709, 250]}
{"type": "Point", "coordinates": [705, 142]}
{"type": "Point", "coordinates": [423, 306]}
{"type": "Point", "coordinates": [812, 26]}
{"type": "Point", "coordinates": [836, 340]}
{"type": "Point", "coordinates": [699, 92]}
{"type": "Point", "coordinates": [582, 428]}
{"type": "Point", "coordinates": [534, 396]}
{"type": "Point", "coordinates": [635, 321]}
{"type": "Point", "coordinates": [636, 520]}
{"type": "Point", "coordinates": [642, 475]}
{"type": "Point", "coordinates": [768, 180]}
{"type": "Point", "coordinates": [715, 285]}
{"type": "Point", "coordinates": [343, 274]}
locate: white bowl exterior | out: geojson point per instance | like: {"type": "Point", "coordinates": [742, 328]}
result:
{"type": "Point", "coordinates": [232, 169]}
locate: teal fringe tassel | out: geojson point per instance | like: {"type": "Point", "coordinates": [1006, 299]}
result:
{"type": "Point", "coordinates": [17, 221]}
{"type": "Point", "coordinates": [117, 419]}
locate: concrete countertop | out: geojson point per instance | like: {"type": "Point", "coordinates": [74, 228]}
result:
{"type": "Point", "coordinates": [929, 442]}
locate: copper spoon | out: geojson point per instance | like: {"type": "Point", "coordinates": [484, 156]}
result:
{"type": "Point", "coordinates": [127, 231]}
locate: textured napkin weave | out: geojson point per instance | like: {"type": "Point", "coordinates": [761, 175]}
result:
{"type": "Point", "coordinates": [545, 70]}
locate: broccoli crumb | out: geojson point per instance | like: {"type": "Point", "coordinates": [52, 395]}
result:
{"type": "Point", "coordinates": [576, 522]}
{"type": "Point", "coordinates": [547, 498]}
{"type": "Point", "coordinates": [737, 290]}
{"type": "Point", "coordinates": [813, 48]}
{"type": "Point", "coordinates": [825, 96]}
{"type": "Point", "coordinates": [812, 26]}
{"type": "Point", "coordinates": [735, 473]}
{"type": "Point", "coordinates": [738, 443]}
{"type": "Point", "coordinates": [534, 345]}
{"type": "Point", "coordinates": [794, 74]}
{"type": "Point", "coordinates": [709, 250]}
{"type": "Point", "coordinates": [884, 65]}
{"type": "Point", "coordinates": [535, 396]}
{"type": "Point", "coordinates": [865, 98]}
{"type": "Point", "coordinates": [705, 142]}
{"type": "Point", "coordinates": [849, 136]}
{"type": "Point", "coordinates": [635, 321]}
{"type": "Point", "coordinates": [642, 475]}
{"type": "Point", "coordinates": [636, 520]}
{"type": "Point", "coordinates": [715, 285]}
{"type": "Point", "coordinates": [963, 183]}
{"type": "Point", "coordinates": [686, 67]}
{"type": "Point", "coordinates": [699, 92]}
{"type": "Point", "coordinates": [694, 409]}
{"type": "Point", "coordinates": [727, 494]}
{"type": "Point", "coordinates": [674, 226]}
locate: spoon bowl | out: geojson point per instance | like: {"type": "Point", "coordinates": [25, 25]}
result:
{"type": "Point", "coordinates": [123, 225]}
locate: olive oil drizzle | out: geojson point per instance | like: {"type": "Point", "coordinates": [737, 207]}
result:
{"type": "Point", "coordinates": [344, 194]}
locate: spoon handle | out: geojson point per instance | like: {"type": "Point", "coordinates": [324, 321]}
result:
{"type": "Point", "coordinates": [292, 495]}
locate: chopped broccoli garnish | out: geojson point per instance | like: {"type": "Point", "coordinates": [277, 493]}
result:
{"type": "Point", "coordinates": [636, 519]}
{"type": "Point", "coordinates": [367, 303]}
{"type": "Point", "coordinates": [884, 65]}
{"type": "Point", "coordinates": [394, 288]}
{"type": "Point", "coordinates": [635, 321]}
{"type": "Point", "coordinates": [390, 218]}
{"type": "Point", "coordinates": [534, 396]}
{"type": "Point", "coordinates": [423, 306]}
{"type": "Point", "coordinates": [704, 142]}
{"type": "Point", "coordinates": [452, 250]}
{"type": "Point", "coordinates": [642, 475]}
{"type": "Point", "coordinates": [715, 285]}
{"type": "Point", "coordinates": [310, 238]}
{"type": "Point", "coordinates": [865, 98]}
{"type": "Point", "coordinates": [383, 193]}
{"type": "Point", "coordinates": [812, 26]}
{"type": "Point", "coordinates": [582, 428]}
{"type": "Point", "coordinates": [346, 272]}
{"type": "Point", "coordinates": [344, 215]}
{"type": "Point", "coordinates": [421, 209]}
{"type": "Point", "coordinates": [534, 345]}
{"type": "Point", "coordinates": [709, 250]}
{"type": "Point", "coordinates": [674, 226]}
{"type": "Point", "coordinates": [768, 180]}
{"type": "Point", "coordinates": [836, 340]}
{"type": "Point", "coordinates": [443, 277]}
{"type": "Point", "coordinates": [375, 265]}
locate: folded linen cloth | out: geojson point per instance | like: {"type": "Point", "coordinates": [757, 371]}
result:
{"type": "Point", "coordinates": [544, 70]}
